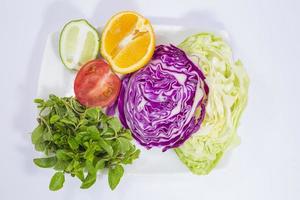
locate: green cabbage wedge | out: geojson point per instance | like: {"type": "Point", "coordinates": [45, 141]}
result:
{"type": "Point", "coordinates": [228, 92]}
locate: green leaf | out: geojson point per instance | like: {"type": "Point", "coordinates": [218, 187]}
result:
{"type": "Point", "coordinates": [49, 103]}
{"type": "Point", "coordinates": [38, 101]}
{"type": "Point", "coordinates": [40, 147]}
{"type": "Point", "coordinates": [54, 98]}
{"type": "Point", "coordinates": [54, 118]}
{"type": "Point", "coordinates": [85, 138]}
{"type": "Point", "coordinates": [73, 143]}
{"type": "Point", "coordinates": [45, 162]}
{"type": "Point", "coordinates": [115, 124]}
{"type": "Point", "coordinates": [127, 134]}
{"type": "Point", "coordinates": [103, 144]}
{"type": "Point", "coordinates": [61, 127]}
{"type": "Point", "coordinates": [79, 136]}
{"type": "Point", "coordinates": [114, 176]}
{"type": "Point", "coordinates": [81, 139]}
{"type": "Point", "coordinates": [89, 154]}
{"type": "Point", "coordinates": [59, 110]}
{"type": "Point", "coordinates": [90, 167]}
{"type": "Point", "coordinates": [61, 165]}
{"type": "Point", "coordinates": [77, 164]}
{"type": "Point", "coordinates": [116, 147]}
{"type": "Point", "coordinates": [83, 122]}
{"type": "Point", "coordinates": [130, 157]}
{"type": "Point", "coordinates": [67, 121]}
{"type": "Point", "coordinates": [82, 129]}
{"type": "Point", "coordinates": [104, 127]}
{"type": "Point", "coordinates": [86, 144]}
{"type": "Point", "coordinates": [76, 106]}
{"type": "Point", "coordinates": [124, 144]}
{"type": "Point", "coordinates": [89, 181]}
{"type": "Point", "coordinates": [100, 164]}
{"type": "Point", "coordinates": [63, 155]}
{"type": "Point", "coordinates": [70, 166]}
{"type": "Point", "coordinates": [37, 134]}
{"type": "Point", "coordinates": [136, 154]}
{"type": "Point", "coordinates": [79, 174]}
{"type": "Point", "coordinates": [47, 136]}
{"type": "Point", "coordinates": [93, 113]}
{"type": "Point", "coordinates": [108, 131]}
{"type": "Point", "coordinates": [104, 118]}
{"type": "Point", "coordinates": [57, 181]}
{"type": "Point", "coordinates": [94, 132]}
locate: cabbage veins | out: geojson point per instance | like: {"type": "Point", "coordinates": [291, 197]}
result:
{"type": "Point", "coordinates": [228, 85]}
{"type": "Point", "coordinates": [164, 103]}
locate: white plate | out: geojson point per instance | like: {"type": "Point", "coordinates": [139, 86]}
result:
{"type": "Point", "coordinates": [57, 79]}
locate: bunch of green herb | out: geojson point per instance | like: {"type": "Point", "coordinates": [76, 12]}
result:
{"type": "Point", "coordinates": [80, 141]}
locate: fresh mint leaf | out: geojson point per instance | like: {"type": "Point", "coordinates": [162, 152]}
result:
{"type": "Point", "coordinates": [116, 147]}
{"type": "Point", "coordinates": [89, 180]}
{"type": "Point", "coordinates": [70, 166]}
{"type": "Point", "coordinates": [37, 134]}
{"type": "Point", "coordinates": [124, 144]}
{"type": "Point", "coordinates": [73, 143]}
{"type": "Point", "coordinates": [82, 123]}
{"type": "Point", "coordinates": [103, 144]}
{"type": "Point", "coordinates": [67, 121]}
{"type": "Point", "coordinates": [47, 136]}
{"type": "Point", "coordinates": [54, 118]}
{"type": "Point", "coordinates": [93, 113]}
{"type": "Point", "coordinates": [100, 165]}
{"type": "Point", "coordinates": [40, 147]}
{"type": "Point", "coordinates": [57, 181]}
{"type": "Point", "coordinates": [136, 154]}
{"type": "Point", "coordinates": [76, 106]}
{"type": "Point", "coordinates": [131, 156]}
{"type": "Point", "coordinates": [79, 174]}
{"type": "Point", "coordinates": [108, 132]}
{"type": "Point", "coordinates": [39, 101]}
{"type": "Point", "coordinates": [45, 162]}
{"type": "Point", "coordinates": [105, 127]}
{"type": "Point", "coordinates": [89, 154]}
{"type": "Point", "coordinates": [127, 134]}
{"type": "Point", "coordinates": [81, 139]}
{"type": "Point", "coordinates": [94, 132]}
{"type": "Point", "coordinates": [115, 124]}
{"type": "Point", "coordinates": [63, 155]}
{"type": "Point", "coordinates": [61, 165]}
{"type": "Point", "coordinates": [90, 167]}
{"type": "Point", "coordinates": [114, 176]}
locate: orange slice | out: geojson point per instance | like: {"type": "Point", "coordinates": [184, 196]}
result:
{"type": "Point", "coordinates": [127, 42]}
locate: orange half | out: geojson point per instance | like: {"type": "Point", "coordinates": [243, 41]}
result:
{"type": "Point", "coordinates": [127, 42]}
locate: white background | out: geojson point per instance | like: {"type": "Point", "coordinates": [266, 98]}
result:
{"type": "Point", "coordinates": [266, 36]}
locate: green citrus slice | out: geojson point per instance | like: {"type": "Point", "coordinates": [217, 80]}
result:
{"type": "Point", "coordinates": [78, 44]}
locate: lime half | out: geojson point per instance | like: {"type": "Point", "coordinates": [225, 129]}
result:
{"type": "Point", "coordinates": [78, 44]}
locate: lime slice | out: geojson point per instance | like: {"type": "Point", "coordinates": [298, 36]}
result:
{"type": "Point", "coordinates": [78, 44]}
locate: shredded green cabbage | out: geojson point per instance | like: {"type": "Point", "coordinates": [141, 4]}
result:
{"type": "Point", "coordinates": [228, 92]}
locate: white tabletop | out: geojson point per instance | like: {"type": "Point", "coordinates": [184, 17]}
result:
{"type": "Point", "coordinates": [265, 35]}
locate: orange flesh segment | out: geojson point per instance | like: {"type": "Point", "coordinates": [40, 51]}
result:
{"type": "Point", "coordinates": [128, 42]}
{"type": "Point", "coordinates": [121, 28]}
{"type": "Point", "coordinates": [134, 51]}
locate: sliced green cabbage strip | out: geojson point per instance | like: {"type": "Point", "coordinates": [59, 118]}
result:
{"type": "Point", "coordinates": [228, 92]}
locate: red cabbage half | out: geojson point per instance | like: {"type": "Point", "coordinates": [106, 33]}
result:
{"type": "Point", "coordinates": [164, 103]}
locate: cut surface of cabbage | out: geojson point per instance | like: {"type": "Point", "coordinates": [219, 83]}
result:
{"type": "Point", "coordinates": [228, 84]}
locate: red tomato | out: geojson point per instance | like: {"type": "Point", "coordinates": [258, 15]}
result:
{"type": "Point", "coordinates": [96, 85]}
